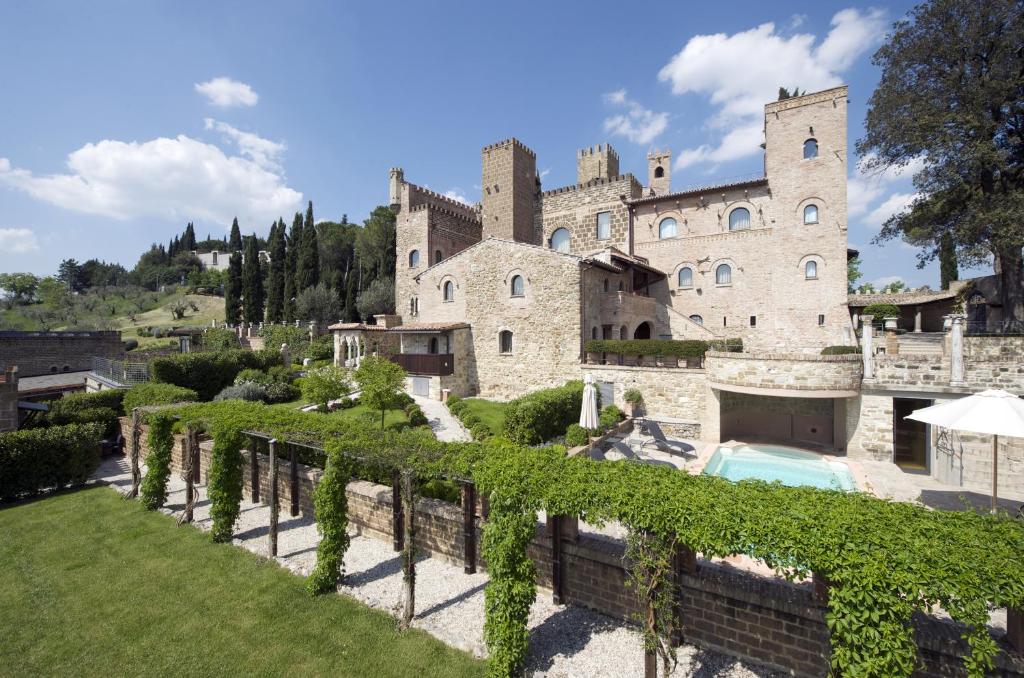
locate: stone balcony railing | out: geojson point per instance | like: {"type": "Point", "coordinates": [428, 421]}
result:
{"type": "Point", "coordinates": [614, 302]}
{"type": "Point", "coordinates": [785, 374]}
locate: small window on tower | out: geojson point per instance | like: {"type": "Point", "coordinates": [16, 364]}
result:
{"type": "Point", "coordinates": [659, 172]}
{"type": "Point", "coordinates": [810, 149]}
{"type": "Point", "coordinates": [821, 319]}
{"type": "Point", "coordinates": [604, 225]}
{"type": "Point", "coordinates": [753, 321]}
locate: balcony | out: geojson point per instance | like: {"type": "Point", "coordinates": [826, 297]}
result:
{"type": "Point", "coordinates": [429, 364]}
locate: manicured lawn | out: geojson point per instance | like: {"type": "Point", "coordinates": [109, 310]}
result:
{"type": "Point", "coordinates": [94, 585]}
{"type": "Point", "coordinates": [392, 418]}
{"type": "Point", "coordinates": [490, 412]}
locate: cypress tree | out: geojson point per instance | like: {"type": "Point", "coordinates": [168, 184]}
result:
{"type": "Point", "coordinates": [188, 240]}
{"type": "Point", "coordinates": [252, 282]}
{"type": "Point", "coordinates": [948, 271]}
{"type": "Point", "coordinates": [275, 281]}
{"type": "Point", "coordinates": [233, 290]}
{"type": "Point", "coordinates": [351, 315]}
{"type": "Point", "coordinates": [308, 269]}
{"type": "Point", "coordinates": [294, 248]}
{"type": "Point", "coordinates": [235, 241]}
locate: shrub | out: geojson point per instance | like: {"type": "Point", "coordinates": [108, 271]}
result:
{"type": "Point", "coordinates": [253, 377]}
{"type": "Point", "coordinates": [244, 391]}
{"type": "Point", "coordinates": [103, 407]}
{"type": "Point", "coordinates": [36, 459]}
{"type": "Point", "coordinates": [208, 373]}
{"type": "Point", "coordinates": [543, 415]}
{"type": "Point", "coordinates": [453, 400]}
{"type": "Point", "coordinates": [346, 403]}
{"type": "Point", "coordinates": [839, 350]}
{"type": "Point", "coordinates": [380, 384]}
{"type": "Point", "coordinates": [153, 491]}
{"type": "Point", "coordinates": [279, 392]}
{"type": "Point", "coordinates": [416, 416]}
{"type": "Point", "coordinates": [330, 504]}
{"type": "Point", "coordinates": [734, 345]}
{"type": "Point", "coordinates": [633, 396]}
{"type": "Point", "coordinates": [326, 383]}
{"type": "Point", "coordinates": [130, 344]}
{"type": "Point", "coordinates": [143, 395]}
{"type": "Point", "coordinates": [479, 431]}
{"type": "Point", "coordinates": [576, 435]}
{"type": "Point", "coordinates": [445, 490]}
{"type": "Point", "coordinates": [469, 420]}
{"type": "Point", "coordinates": [880, 311]}
{"type": "Point", "coordinates": [219, 339]}
{"type": "Point", "coordinates": [610, 416]}
{"type": "Point", "coordinates": [322, 348]}
{"type": "Point", "coordinates": [225, 480]}
{"type": "Point", "coordinates": [295, 337]}
{"type": "Point", "coordinates": [674, 348]}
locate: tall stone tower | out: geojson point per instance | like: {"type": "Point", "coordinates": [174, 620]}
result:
{"type": "Point", "coordinates": [596, 162]}
{"type": "Point", "coordinates": [509, 191]}
{"type": "Point", "coordinates": [396, 177]}
{"type": "Point", "coordinates": [659, 171]}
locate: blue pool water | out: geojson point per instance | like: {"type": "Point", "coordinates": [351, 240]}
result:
{"type": "Point", "coordinates": [787, 465]}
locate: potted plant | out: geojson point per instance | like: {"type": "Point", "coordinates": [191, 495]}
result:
{"type": "Point", "coordinates": [634, 400]}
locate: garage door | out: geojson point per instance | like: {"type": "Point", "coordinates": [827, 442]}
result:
{"type": "Point", "coordinates": [421, 386]}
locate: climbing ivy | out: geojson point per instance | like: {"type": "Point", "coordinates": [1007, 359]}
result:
{"type": "Point", "coordinates": [225, 479]}
{"type": "Point", "coordinates": [884, 560]}
{"type": "Point", "coordinates": [650, 558]}
{"type": "Point", "coordinates": [331, 506]}
{"type": "Point", "coordinates": [153, 491]}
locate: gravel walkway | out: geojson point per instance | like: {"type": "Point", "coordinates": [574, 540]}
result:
{"type": "Point", "coordinates": [446, 426]}
{"type": "Point", "coordinates": [565, 641]}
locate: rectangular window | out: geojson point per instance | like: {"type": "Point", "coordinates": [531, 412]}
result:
{"type": "Point", "coordinates": [725, 322]}
{"type": "Point", "coordinates": [753, 321]}
{"type": "Point", "coordinates": [821, 319]}
{"type": "Point", "coordinates": [604, 225]}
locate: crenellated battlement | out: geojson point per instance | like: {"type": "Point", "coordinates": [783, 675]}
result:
{"type": "Point", "coordinates": [441, 209]}
{"type": "Point", "coordinates": [511, 141]}
{"type": "Point", "coordinates": [600, 181]}
{"type": "Point", "coordinates": [444, 199]}
{"type": "Point", "coordinates": [599, 149]}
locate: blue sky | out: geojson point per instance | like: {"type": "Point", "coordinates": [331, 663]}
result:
{"type": "Point", "coordinates": [120, 122]}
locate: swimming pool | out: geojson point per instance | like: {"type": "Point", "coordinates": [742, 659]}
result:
{"type": "Point", "coordinates": [785, 464]}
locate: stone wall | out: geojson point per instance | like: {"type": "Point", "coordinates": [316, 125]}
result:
{"type": "Point", "coordinates": [785, 419]}
{"type": "Point", "coordinates": [785, 372]}
{"type": "Point", "coordinates": [997, 348]}
{"type": "Point", "coordinates": [508, 190]}
{"type": "Point", "coordinates": [869, 426]}
{"type": "Point", "coordinates": [9, 399]}
{"type": "Point", "coordinates": [38, 353]}
{"type": "Point", "coordinates": [678, 393]}
{"type": "Point", "coordinates": [576, 208]}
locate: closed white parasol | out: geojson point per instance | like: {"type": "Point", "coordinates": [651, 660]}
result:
{"type": "Point", "coordinates": [998, 413]}
{"type": "Point", "coordinates": [588, 413]}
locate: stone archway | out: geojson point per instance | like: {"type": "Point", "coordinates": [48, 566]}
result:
{"type": "Point", "coordinates": [642, 331]}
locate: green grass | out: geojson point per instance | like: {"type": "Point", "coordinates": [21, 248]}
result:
{"type": "Point", "coordinates": [490, 412]}
{"type": "Point", "coordinates": [96, 586]}
{"type": "Point", "coordinates": [392, 418]}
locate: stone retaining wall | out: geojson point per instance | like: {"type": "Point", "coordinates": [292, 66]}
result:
{"type": "Point", "coordinates": [761, 619]}
{"type": "Point", "coordinates": [783, 371]}
{"type": "Point", "coordinates": [38, 353]}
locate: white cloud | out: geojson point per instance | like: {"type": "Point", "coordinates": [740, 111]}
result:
{"type": "Point", "coordinates": [894, 204]}
{"type": "Point", "coordinates": [263, 152]}
{"type": "Point", "coordinates": [544, 173]}
{"type": "Point", "coordinates": [638, 124]}
{"type": "Point", "coordinates": [225, 92]}
{"type": "Point", "coordinates": [174, 179]}
{"type": "Point", "coordinates": [865, 186]}
{"type": "Point", "coordinates": [879, 283]}
{"type": "Point", "coordinates": [734, 145]}
{"type": "Point", "coordinates": [17, 240]}
{"type": "Point", "coordinates": [739, 73]}
{"type": "Point", "coordinates": [457, 195]}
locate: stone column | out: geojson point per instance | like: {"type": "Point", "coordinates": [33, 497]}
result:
{"type": "Point", "coordinates": [917, 318]}
{"type": "Point", "coordinates": [867, 351]}
{"type": "Point", "coordinates": [956, 353]}
{"type": "Point", "coordinates": [312, 330]}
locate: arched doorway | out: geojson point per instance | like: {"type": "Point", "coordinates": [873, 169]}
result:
{"type": "Point", "coordinates": [642, 331]}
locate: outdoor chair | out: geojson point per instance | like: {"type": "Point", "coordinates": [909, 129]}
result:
{"type": "Point", "coordinates": [659, 442]}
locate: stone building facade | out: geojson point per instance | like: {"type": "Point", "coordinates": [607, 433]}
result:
{"type": "Point", "coordinates": [40, 353]}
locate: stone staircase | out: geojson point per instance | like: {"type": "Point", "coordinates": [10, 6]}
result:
{"type": "Point", "coordinates": [921, 343]}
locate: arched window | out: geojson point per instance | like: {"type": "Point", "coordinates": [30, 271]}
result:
{"type": "Point", "coordinates": [723, 274]}
{"type": "Point", "coordinates": [667, 228]}
{"type": "Point", "coordinates": [659, 172]}
{"type": "Point", "coordinates": [414, 306]}
{"type": "Point", "coordinates": [810, 149]}
{"type": "Point", "coordinates": [214, 253]}
{"type": "Point", "coordinates": [518, 286]}
{"type": "Point", "coordinates": [505, 341]}
{"type": "Point", "coordinates": [686, 277]}
{"type": "Point", "coordinates": [438, 256]}
{"type": "Point", "coordinates": [811, 270]}
{"type": "Point", "coordinates": [414, 259]}
{"type": "Point", "coordinates": [449, 291]}
{"type": "Point", "coordinates": [811, 214]}
{"type": "Point", "coordinates": [697, 319]}
{"type": "Point", "coordinates": [560, 240]}
{"type": "Point", "coordinates": [739, 219]}
{"type": "Point", "coordinates": [642, 331]}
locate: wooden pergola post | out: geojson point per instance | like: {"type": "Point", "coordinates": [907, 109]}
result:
{"type": "Point", "coordinates": [685, 564]}
{"type": "Point", "coordinates": [557, 593]}
{"type": "Point", "coordinates": [272, 532]}
{"type": "Point", "coordinates": [294, 480]}
{"type": "Point", "coordinates": [397, 525]}
{"type": "Point", "coordinates": [190, 463]}
{"type": "Point", "coordinates": [134, 455]}
{"type": "Point", "coordinates": [254, 469]}
{"type": "Point", "coordinates": [1015, 629]}
{"type": "Point", "coordinates": [409, 552]}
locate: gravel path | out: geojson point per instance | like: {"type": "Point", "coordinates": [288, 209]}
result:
{"type": "Point", "coordinates": [565, 640]}
{"type": "Point", "coordinates": [446, 426]}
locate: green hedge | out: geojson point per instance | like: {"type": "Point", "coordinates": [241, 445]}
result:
{"type": "Point", "coordinates": [208, 373]}
{"type": "Point", "coordinates": [665, 348]}
{"type": "Point", "coordinates": [103, 407]}
{"type": "Point", "coordinates": [839, 350]}
{"type": "Point", "coordinates": [543, 415]}
{"type": "Point", "coordinates": [37, 459]}
{"type": "Point", "coordinates": [143, 395]}
{"type": "Point", "coordinates": [880, 311]}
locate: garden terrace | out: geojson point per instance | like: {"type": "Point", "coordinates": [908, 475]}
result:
{"type": "Point", "coordinates": [656, 352]}
{"type": "Point", "coordinates": [799, 375]}
{"type": "Point", "coordinates": [883, 561]}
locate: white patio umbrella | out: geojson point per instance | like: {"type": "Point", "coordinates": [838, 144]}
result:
{"type": "Point", "coordinates": [588, 413]}
{"type": "Point", "coordinates": [995, 412]}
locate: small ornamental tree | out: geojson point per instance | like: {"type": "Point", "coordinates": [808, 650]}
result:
{"type": "Point", "coordinates": [331, 506]}
{"type": "Point", "coordinates": [381, 384]}
{"type": "Point", "coordinates": [225, 480]}
{"type": "Point", "coordinates": [324, 384]}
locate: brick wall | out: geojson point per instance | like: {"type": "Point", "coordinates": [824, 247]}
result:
{"type": "Point", "coordinates": [9, 399]}
{"type": "Point", "coordinates": [38, 353]}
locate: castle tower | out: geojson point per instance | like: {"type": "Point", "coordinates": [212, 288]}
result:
{"type": "Point", "coordinates": [596, 162]}
{"type": "Point", "coordinates": [396, 177]}
{"type": "Point", "coordinates": [659, 171]}
{"type": "Point", "coordinates": [509, 191]}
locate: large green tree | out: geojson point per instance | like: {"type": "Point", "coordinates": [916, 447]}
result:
{"type": "Point", "coordinates": [235, 239]}
{"type": "Point", "coordinates": [70, 273]}
{"type": "Point", "coordinates": [380, 384]}
{"type": "Point", "coordinates": [275, 281]}
{"type": "Point", "coordinates": [290, 291]}
{"type": "Point", "coordinates": [20, 287]}
{"type": "Point", "coordinates": [375, 247]}
{"type": "Point", "coordinates": [948, 270]}
{"type": "Point", "coordinates": [233, 290]}
{"type": "Point", "coordinates": [252, 281]}
{"type": "Point", "coordinates": [307, 270]}
{"type": "Point", "coordinates": [952, 95]}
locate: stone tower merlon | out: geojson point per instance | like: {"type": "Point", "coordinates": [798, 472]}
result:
{"type": "Point", "coordinates": [596, 162]}
{"type": "Point", "coordinates": [396, 177]}
{"type": "Point", "coordinates": [508, 191]}
{"type": "Point", "coordinates": [659, 171]}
